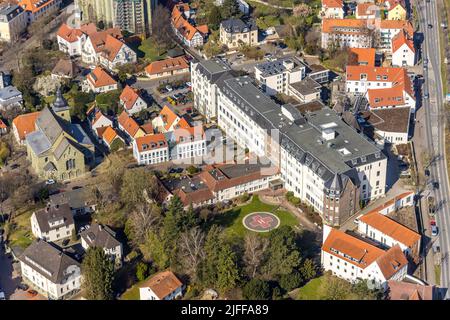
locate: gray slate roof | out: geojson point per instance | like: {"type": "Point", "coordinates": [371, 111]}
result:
{"type": "Point", "coordinates": [49, 261]}
{"type": "Point", "coordinates": [237, 25]}
{"type": "Point", "coordinates": [76, 199]}
{"type": "Point", "coordinates": [100, 236]}
{"type": "Point", "coordinates": [9, 92]}
{"type": "Point", "coordinates": [213, 69]}
{"type": "Point", "coordinates": [54, 213]}
{"type": "Point", "coordinates": [38, 142]}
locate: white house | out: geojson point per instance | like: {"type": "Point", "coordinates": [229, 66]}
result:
{"type": "Point", "coordinates": [332, 9]}
{"type": "Point", "coordinates": [388, 29]}
{"type": "Point", "coordinates": [100, 120]}
{"type": "Point", "coordinates": [50, 271]}
{"type": "Point", "coordinates": [53, 223]}
{"type": "Point", "coordinates": [352, 259]}
{"type": "Point", "coordinates": [403, 51]}
{"type": "Point", "coordinates": [187, 143]}
{"type": "Point", "coordinates": [71, 40]}
{"type": "Point", "coordinates": [389, 233]}
{"type": "Point", "coordinates": [151, 149]}
{"type": "Point", "coordinates": [162, 286]}
{"type": "Point", "coordinates": [131, 101]}
{"type": "Point", "coordinates": [276, 76]}
{"type": "Point", "coordinates": [101, 236]}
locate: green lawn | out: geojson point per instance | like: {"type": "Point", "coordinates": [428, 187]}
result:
{"type": "Point", "coordinates": [231, 220]}
{"type": "Point", "coordinates": [150, 52]}
{"type": "Point", "coordinates": [133, 292]}
{"type": "Point", "coordinates": [437, 274]}
{"type": "Point", "coordinates": [309, 290]}
{"type": "Point", "coordinates": [20, 233]}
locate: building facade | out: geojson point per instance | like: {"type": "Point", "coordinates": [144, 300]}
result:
{"type": "Point", "coordinates": [235, 32]}
{"type": "Point", "coordinates": [13, 22]}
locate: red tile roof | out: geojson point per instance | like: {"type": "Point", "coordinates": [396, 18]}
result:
{"type": "Point", "coordinates": [400, 290]}
{"type": "Point", "coordinates": [109, 135]}
{"type": "Point", "coordinates": [151, 142]}
{"type": "Point", "coordinates": [128, 124]}
{"type": "Point", "coordinates": [391, 228]}
{"type": "Point", "coordinates": [333, 3]}
{"type": "Point", "coordinates": [400, 39]}
{"type": "Point", "coordinates": [183, 26]}
{"type": "Point", "coordinates": [167, 65]}
{"type": "Point", "coordinates": [398, 24]}
{"type": "Point", "coordinates": [189, 134]}
{"type": "Point", "coordinates": [25, 123]}
{"type": "Point", "coordinates": [128, 97]}
{"type": "Point", "coordinates": [168, 116]}
{"type": "Point", "coordinates": [392, 261]}
{"type": "Point", "coordinates": [2, 125]}
{"type": "Point", "coordinates": [34, 5]}
{"type": "Point", "coordinates": [148, 128]}
{"type": "Point", "coordinates": [100, 78]}
{"type": "Point", "coordinates": [329, 25]}
{"type": "Point", "coordinates": [163, 284]}
{"type": "Point", "coordinates": [363, 56]}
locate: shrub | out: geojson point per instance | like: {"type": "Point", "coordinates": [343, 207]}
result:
{"type": "Point", "coordinates": [256, 289]}
{"type": "Point", "coordinates": [141, 271]}
{"type": "Point", "coordinates": [291, 281]}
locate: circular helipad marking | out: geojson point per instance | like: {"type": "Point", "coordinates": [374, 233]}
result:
{"type": "Point", "coordinates": [261, 221]}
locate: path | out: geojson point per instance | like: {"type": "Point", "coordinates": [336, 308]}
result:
{"type": "Point", "coordinates": [281, 201]}
{"type": "Point", "coordinates": [272, 5]}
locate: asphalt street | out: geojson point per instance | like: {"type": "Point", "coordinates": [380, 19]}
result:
{"type": "Point", "coordinates": [435, 128]}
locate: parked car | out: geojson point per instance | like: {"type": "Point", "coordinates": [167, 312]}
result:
{"type": "Point", "coordinates": [430, 26]}
{"type": "Point", "coordinates": [189, 84]}
{"type": "Point", "coordinates": [169, 88]}
{"type": "Point", "coordinates": [427, 172]}
{"type": "Point", "coordinates": [436, 185]}
{"type": "Point", "coordinates": [65, 242]}
{"type": "Point", "coordinates": [32, 292]}
{"type": "Point", "coordinates": [434, 230]}
{"type": "Point", "coordinates": [49, 182]}
{"type": "Point", "coordinates": [23, 286]}
{"type": "Point", "coordinates": [2, 295]}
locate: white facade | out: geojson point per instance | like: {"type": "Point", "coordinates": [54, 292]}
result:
{"type": "Point", "coordinates": [72, 48]}
{"type": "Point", "coordinates": [393, 137]}
{"type": "Point", "coordinates": [89, 86]}
{"type": "Point", "coordinates": [404, 56]}
{"type": "Point", "coordinates": [150, 156]}
{"type": "Point", "coordinates": [349, 40]}
{"type": "Point", "coordinates": [59, 230]}
{"type": "Point", "coordinates": [188, 149]}
{"type": "Point", "coordinates": [137, 107]}
{"type": "Point", "coordinates": [102, 121]}
{"type": "Point", "coordinates": [115, 253]}
{"type": "Point", "coordinates": [332, 13]}
{"type": "Point", "coordinates": [146, 293]}
{"type": "Point", "coordinates": [124, 55]}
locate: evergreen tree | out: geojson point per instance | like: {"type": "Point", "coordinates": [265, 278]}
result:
{"type": "Point", "coordinates": [214, 18]}
{"type": "Point", "coordinates": [213, 243]}
{"type": "Point", "coordinates": [98, 274]}
{"type": "Point", "coordinates": [256, 289]}
{"type": "Point", "coordinates": [230, 9]}
{"type": "Point", "coordinates": [227, 269]}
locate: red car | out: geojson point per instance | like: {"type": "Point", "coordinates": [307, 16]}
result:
{"type": "Point", "coordinates": [432, 222]}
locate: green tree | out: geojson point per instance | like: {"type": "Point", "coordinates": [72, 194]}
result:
{"type": "Point", "coordinates": [141, 271]}
{"type": "Point", "coordinates": [98, 274]}
{"type": "Point", "coordinates": [116, 145]}
{"type": "Point", "coordinates": [290, 281]}
{"type": "Point", "coordinates": [108, 102]}
{"type": "Point", "coordinates": [256, 289]}
{"type": "Point", "coordinates": [189, 219]}
{"type": "Point", "coordinates": [308, 270]}
{"type": "Point", "coordinates": [227, 269]}
{"type": "Point", "coordinates": [213, 243]}
{"type": "Point", "coordinates": [138, 185]}
{"type": "Point", "coordinates": [214, 17]}
{"type": "Point", "coordinates": [153, 249]}
{"type": "Point", "coordinates": [230, 9]}
{"type": "Point", "coordinates": [282, 255]}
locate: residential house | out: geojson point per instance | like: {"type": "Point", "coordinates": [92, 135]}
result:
{"type": "Point", "coordinates": [111, 138]}
{"type": "Point", "coordinates": [129, 126]}
{"type": "Point", "coordinates": [167, 120]}
{"type": "Point", "coordinates": [13, 22]}
{"type": "Point", "coordinates": [362, 57]}
{"type": "Point", "coordinates": [99, 81]}
{"type": "Point", "coordinates": [276, 76]}
{"type": "Point", "coordinates": [162, 286]}
{"type": "Point", "coordinates": [333, 9]}
{"type": "Point", "coordinates": [351, 258]}
{"type": "Point", "coordinates": [71, 40]}
{"type": "Point", "coordinates": [10, 97]}
{"type": "Point", "coordinates": [100, 236]}
{"type": "Point", "coordinates": [390, 233]}
{"type": "Point", "coordinates": [57, 148]}
{"type": "Point", "coordinates": [53, 223]}
{"type": "Point", "coordinates": [235, 32]}
{"type": "Point", "coordinates": [80, 201]}
{"type": "Point", "coordinates": [64, 69]}
{"type": "Point", "coordinates": [167, 68]}
{"type": "Point", "coordinates": [100, 121]}
{"type": "Point", "coordinates": [151, 149]}
{"type": "Point", "coordinates": [50, 271]}
{"type": "Point", "coordinates": [181, 21]}
{"type": "Point", "coordinates": [23, 125]}
{"type": "Point", "coordinates": [396, 10]}
{"type": "Point", "coordinates": [351, 33]}
{"type": "Point", "coordinates": [388, 29]}
{"type": "Point", "coordinates": [387, 125]}
{"type": "Point", "coordinates": [366, 10]}
{"type": "Point", "coordinates": [205, 76]}
{"type": "Point", "coordinates": [131, 101]}
{"type": "Point", "coordinates": [403, 51]}
{"type": "Point", "coordinates": [36, 9]}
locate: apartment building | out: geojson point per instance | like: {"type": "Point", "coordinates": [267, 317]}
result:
{"type": "Point", "coordinates": [205, 76]}
{"type": "Point", "coordinates": [151, 149]}
{"type": "Point", "coordinates": [186, 143]}
{"type": "Point", "coordinates": [306, 90]}
{"type": "Point", "coordinates": [333, 9]}
{"type": "Point", "coordinates": [384, 87]}
{"type": "Point", "coordinates": [351, 258]}
{"type": "Point", "coordinates": [403, 51]}
{"type": "Point", "coordinates": [322, 160]}
{"type": "Point", "coordinates": [388, 29]}
{"type": "Point", "coordinates": [13, 22]}
{"type": "Point", "coordinates": [235, 32]}
{"type": "Point", "coordinates": [50, 271]}
{"type": "Point", "coordinates": [276, 76]}
{"type": "Point", "coordinates": [134, 16]}
{"type": "Point", "coordinates": [183, 27]}
{"type": "Point", "coordinates": [53, 223]}
{"type": "Point", "coordinates": [351, 33]}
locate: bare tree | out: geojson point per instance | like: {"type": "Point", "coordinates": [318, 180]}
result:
{"type": "Point", "coordinates": [255, 247]}
{"type": "Point", "coordinates": [143, 219]}
{"type": "Point", "coordinates": [192, 250]}
{"type": "Point", "coordinates": [161, 30]}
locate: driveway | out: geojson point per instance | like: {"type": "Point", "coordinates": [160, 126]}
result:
{"type": "Point", "coordinates": [7, 283]}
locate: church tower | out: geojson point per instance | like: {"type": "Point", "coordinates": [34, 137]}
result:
{"type": "Point", "coordinates": [60, 106]}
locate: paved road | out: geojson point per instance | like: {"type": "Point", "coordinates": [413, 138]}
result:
{"type": "Point", "coordinates": [435, 128]}
{"type": "Point", "coordinates": [7, 283]}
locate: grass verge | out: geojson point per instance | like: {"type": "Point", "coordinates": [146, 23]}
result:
{"type": "Point", "coordinates": [310, 290]}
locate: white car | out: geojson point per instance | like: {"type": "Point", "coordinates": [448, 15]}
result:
{"type": "Point", "coordinates": [49, 181]}
{"type": "Point", "coordinates": [2, 296]}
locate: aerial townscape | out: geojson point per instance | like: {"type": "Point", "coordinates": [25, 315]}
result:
{"type": "Point", "coordinates": [224, 150]}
